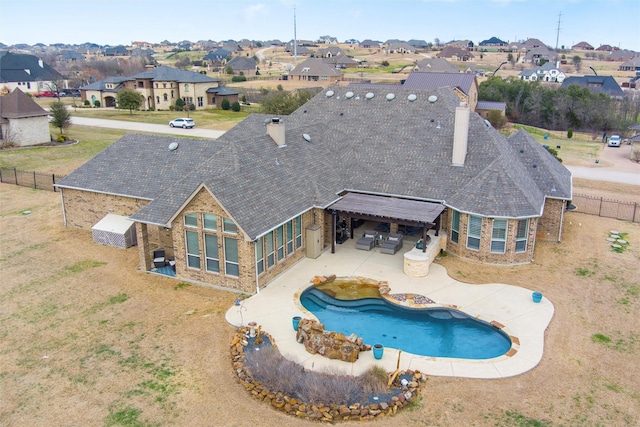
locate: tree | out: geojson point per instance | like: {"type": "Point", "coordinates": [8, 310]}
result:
{"type": "Point", "coordinates": [225, 104]}
{"type": "Point", "coordinates": [179, 104]}
{"type": "Point", "coordinates": [235, 106]}
{"type": "Point", "coordinates": [60, 117]}
{"type": "Point", "coordinates": [496, 119]}
{"type": "Point", "coordinates": [577, 62]}
{"type": "Point", "coordinates": [129, 99]}
{"type": "Point", "coordinates": [228, 69]}
{"type": "Point", "coordinates": [511, 59]}
{"type": "Point", "coordinates": [285, 102]}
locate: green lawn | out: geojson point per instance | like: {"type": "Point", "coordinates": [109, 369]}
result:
{"type": "Point", "coordinates": [581, 146]}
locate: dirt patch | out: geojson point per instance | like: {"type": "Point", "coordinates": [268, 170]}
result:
{"type": "Point", "coordinates": [89, 340]}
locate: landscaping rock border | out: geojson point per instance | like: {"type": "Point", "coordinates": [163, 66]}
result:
{"type": "Point", "coordinates": [317, 412]}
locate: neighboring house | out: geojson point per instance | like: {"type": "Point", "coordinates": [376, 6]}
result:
{"type": "Point", "coordinates": [621, 55]}
{"type": "Point", "coordinates": [116, 51]}
{"type": "Point", "coordinates": [161, 87]}
{"type": "Point", "coordinates": [536, 54]}
{"type": "Point", "coordinates": [596, 84]}
{"type": "Point", "coordinates": [435, 65]}
{"type": "Point", "coordinates": [370, 44]}
{"type": "Point", "coordinates": [328, 52]}
{"type": "Point", "coordinates": [238, 211]}
{"type": "Point", "coordinates": [245, 64]}
{"type": "Point", "coordinates": [455, 54]}
{"type": "Point", "coordinates": [547, 72]}
{"type": "Point", "coordinates": [483, 108]}
{"type": "Point", "coordinates": [462, 44]}
{"type": "Point", "coordinates": [606, 48]}
{"type": "Point", "coordinates": [315, 69]}
{"type": "Point", "coordinates": [472, 69]}
{"type": "Point", "coordinates": [533, 43]}
{"type": "Point", "coordinates": [399, 47]}
{"type": "Point", "coordinates": [419, 43]}
{"type": "Point", "coordinates": [464, 85]}
{"type": "Point", "coordinates": [492, 42]}
{"type": "Point", "coordinates": [28, 73]}
{"type": "Point", "coordinates": [631, 65]}
{"type": "Point", "coordinates": [22, 121]}
{"type": "Point", "coordinates": [341, 61]}
{"type": "Point", "coordinates": [582, 46]}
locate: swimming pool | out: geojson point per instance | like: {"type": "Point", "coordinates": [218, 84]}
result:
{"type": "Point", "coordinates": [435, 332]}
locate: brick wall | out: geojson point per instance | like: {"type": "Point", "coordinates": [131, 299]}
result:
{"type": "Point", "coordinates": [484, 254]}
{"type": "Point", "coordinates": [83, 209]}
{"type": "Point", "coordinates": [550, 225]}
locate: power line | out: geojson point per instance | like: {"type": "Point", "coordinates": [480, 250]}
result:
{"type": "Point", "coordinates": [558, 30]}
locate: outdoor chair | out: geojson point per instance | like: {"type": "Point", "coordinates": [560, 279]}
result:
{"type": "Point", "coordinates": [159, 258]}
{"type": "Point", "coordinates": [392, 244]}
{"type": "Point", "coordinates": [367, 241]}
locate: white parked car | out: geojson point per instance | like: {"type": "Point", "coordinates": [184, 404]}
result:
{"type": "Point", "coordinates": [182, 123]}
{"type": "Point", "coordinates": [614, 141]}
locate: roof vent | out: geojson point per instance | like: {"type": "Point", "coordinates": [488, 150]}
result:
{"type": "Point", "coordinates": [432, 99]}
{"type": "Point", "coordinates": [173, 146]}
{"type": "Point", "coordinates": [487, 123]}
{"type": "Point", "coordinates": [390, 97]}
{"type": "Point", "coordinates": [348, 95]}
{"type": "Point", "coordinates": [412, 97]}
{"type": "Point", "coordinates": [329, 93]}
{"type": "Point", "coordinates": [369, 95]}
{"type": "Point", "coordinates": [306, 137]}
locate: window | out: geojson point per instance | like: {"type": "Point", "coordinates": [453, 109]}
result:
{"type": "Point", "coordinates": [172, 95]}
{"type": "Point", "coordinates": [299, 232]}
{"type": "Point", "coordinates": [211, 253]}
{"type": "Point", "coordinates": [164, 85]}
{"type": "Point", "coordinates": [229, 226]}
{"type": "Point", "coordinates": [473, 232]}
{"type": "Point", "coordinates": [140, 84]}
{"type": "Point", "coordinates": [455, 226]}
{"type": "Point", "coordinates": [158, 99]}
{"type": "Point", "coordinates": [209, 222]}
{"type": "Point", "coordinates": [231, 265]}
{"type": "Point", "coordinates": [186, 87]}
{"type": "Point", "coordinates": [260, 255]}
{"type": "Point", "coordinates": [499, 236]}
{"type": "Point", "coordinates": [157, 86]}
{"type": "Point", "coordinates": [521, 235]}
{"type": "Point", "coordinates": [290, 237]}
{"type": "Point", "coordinates": [193, 250]}
{"type": "Point", "coordinates": [200, 101]}
{"type": "Point", "coordinates": [165, 97]}
{"type": "Point", "coordinates": [280, 236]}
{"type": "Point", "coordinates": [271, 259]}
{"type": "Point", "coordinates": [191, 220]}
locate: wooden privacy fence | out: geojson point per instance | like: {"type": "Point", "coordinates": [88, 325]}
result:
{"type": "Point", "coordinates": [33, 179]}
{"type": "Point", "coordinates": [594, 205]}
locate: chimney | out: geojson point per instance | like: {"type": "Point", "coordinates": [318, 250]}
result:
{"type": "Point", "coordinates": [460, 134]}
{"type": "Point", "coordinates": [275, 129]}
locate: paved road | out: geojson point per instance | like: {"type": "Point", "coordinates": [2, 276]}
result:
{"type": "Point", "coordinates": [614, 166]}
{"type": "Point", "coordinates": [604, 174]}
{"type": "Point", "coordinates": [145, 127]}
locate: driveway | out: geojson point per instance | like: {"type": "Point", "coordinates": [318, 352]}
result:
{"type": "Point", "coordinates": [614, 166]}
{"type": "Point", "coordinates": [146, 127]}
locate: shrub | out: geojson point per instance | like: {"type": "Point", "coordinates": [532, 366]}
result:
{"type": "Point", "coordinates": [235, 106]}
{"type": "Point", "coordinates": [96, 103]}
{"type": "Point", "coordinates": [61, 138]}
{"type": "Point", "coordinates": [239, 78]}
{"type": "Point", "coordinates": [192, 107]}
{"type": "Point", "coordinates": [244, 99]}
{"type": "Point", "coordinates": [225, 104]}
{"type": "Point", "coordinates": [385, 63]}
{"type": "Point", "coordinates": [570, 133]}
{"type": "Point", "coordinates": [179, 104]}
{"type": "Point", "coordinates": [86, 102]}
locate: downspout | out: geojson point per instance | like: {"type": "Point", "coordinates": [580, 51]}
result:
{"type": "Point", "coordinates": [64, 213]}
{"type": "Point", "coordinates": [561, 222]}
{"type": "Point", "coordinates": [255, 264]}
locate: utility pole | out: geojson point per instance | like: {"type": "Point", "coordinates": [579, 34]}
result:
{"type": "Point", "coordinates": [558, 30]}
{"type": "Point", "coordinates": [295, 38]}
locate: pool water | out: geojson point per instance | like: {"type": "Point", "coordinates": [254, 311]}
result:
{"type": "Point", "coordinates": [436, 332]}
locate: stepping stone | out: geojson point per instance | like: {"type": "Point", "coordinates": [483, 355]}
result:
{"type": "Point", "coordinates": [611, 239]}
{"type": "Point", "coordinates": [616, 246]}
{"type": "Point", "coordinates": [622, 242]}
{"type": "Point", "coordinates": [614, 232]}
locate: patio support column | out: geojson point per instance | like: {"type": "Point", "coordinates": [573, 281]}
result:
{"type": "Point", "coordinates": [144, 253]}
{"type": "Point", "coordinates": [438, 223]}
{"type": "Point", "coordinates": [334, 224]}
{"type": "Point", "coordinates": [424, 238]}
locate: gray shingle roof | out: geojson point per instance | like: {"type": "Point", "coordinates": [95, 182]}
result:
{"type": "Point", "coordinates": [165, 73]}
{"type": "Point", "coordinates": [18, 105]}
{"type": "Point", "coordinates": [428, 81]}
{"type": "Point", "coordinates": [18, 67]}
{"type": "Point", "coordinates": [373, 146]}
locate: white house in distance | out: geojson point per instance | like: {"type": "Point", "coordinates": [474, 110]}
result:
{"type": "Point", "coordinates": [544, 73]}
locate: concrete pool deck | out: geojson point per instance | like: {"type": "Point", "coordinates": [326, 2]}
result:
{"type": "Point", "coordinates": [502, 304]}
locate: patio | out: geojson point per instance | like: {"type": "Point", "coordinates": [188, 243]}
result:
{"type": "Point", "coordinates": [511, 306]}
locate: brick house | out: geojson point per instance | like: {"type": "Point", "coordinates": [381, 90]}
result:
{"type": "Point", "coordinates": [22, 121]}
{"type": "Point", "coordinates": [161, 87]}
{"type": "Point", "coordinates": [237, 211]}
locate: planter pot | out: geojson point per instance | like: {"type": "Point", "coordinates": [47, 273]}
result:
{"type": "Point", "coordinates": [296, 320]}
{"type": "Point", "coordinates": [537, 296]}
{"type": "Point", "coordinates": [378, 351]}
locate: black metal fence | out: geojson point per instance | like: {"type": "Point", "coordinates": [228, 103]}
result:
{"type": "Point", "coordinates": [594, 205]}
{"type": "Point", "coordinates": [37, 180]}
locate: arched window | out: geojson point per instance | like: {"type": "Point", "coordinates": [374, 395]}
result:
{"type": "Point", "coordinates": [165, 97]}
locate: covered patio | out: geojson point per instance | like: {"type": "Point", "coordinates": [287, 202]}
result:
{"type": "Point", "coordinates": [395, 211]}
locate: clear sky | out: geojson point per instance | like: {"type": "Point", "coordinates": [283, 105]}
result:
{"type": "Point", "coordinates": [114, 22]}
